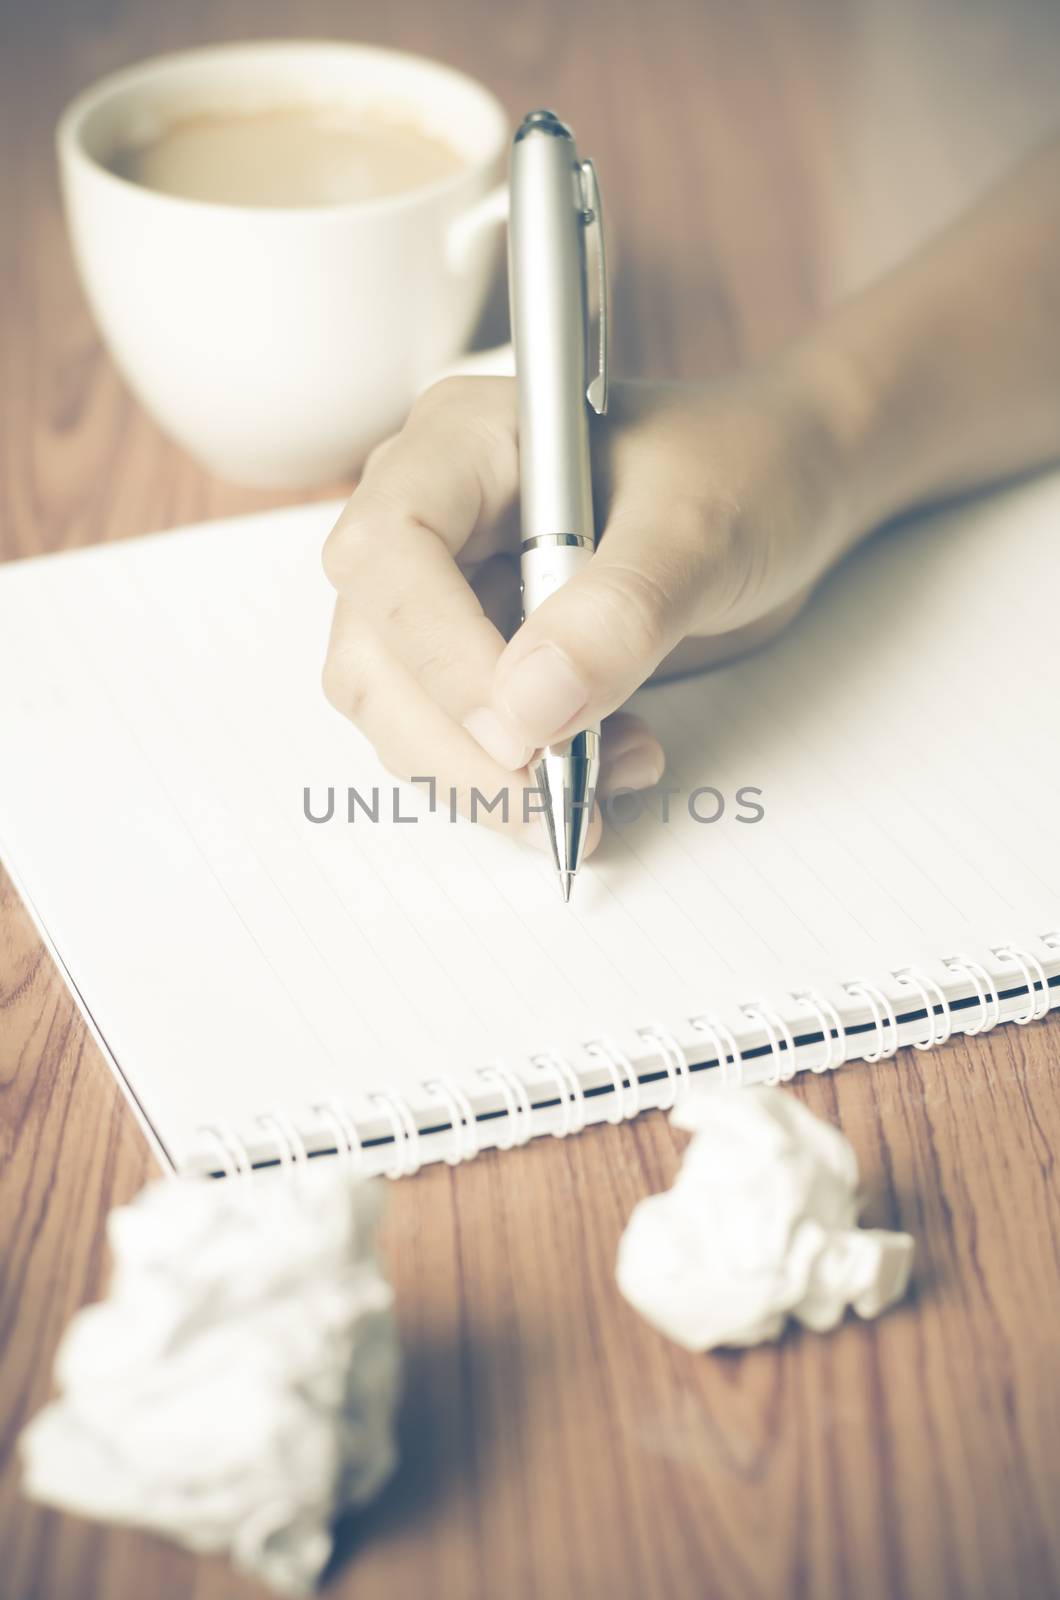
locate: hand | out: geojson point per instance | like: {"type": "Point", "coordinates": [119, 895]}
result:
{"type": "Point", "coordinates": [720, 510]}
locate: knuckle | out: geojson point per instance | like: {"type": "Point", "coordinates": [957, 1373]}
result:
{"type": "Point", "coordinates": [494, 447]}
{"type": "Point", "coordinates": [446, 394]}
{"type": "Point", "coordinates": [333, 682]}
{"type": "Point", "coordinates": [711, 543]}
{"type": "Point", "coordinates": [352, 672]}
{"type": "Point", "coordinates": [480, 410]}
{"type": "Point", "coordinates": [439, 659]}
{"type": "Point", "coordinates": [341, 546]}
{"type": "Point", "coordinates": [467, 392]}
{"type": "Point", "coordinates": [331, 556]}
{"type": "Point", "coordinates": [634, 606]}
{"type": "Point", "coordinates": [377, 455]}
{"type": "Point", "coordinates": [702, 528]}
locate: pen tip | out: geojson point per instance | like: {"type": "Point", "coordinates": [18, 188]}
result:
{"type": "Point", "coordinates": [566, 882]}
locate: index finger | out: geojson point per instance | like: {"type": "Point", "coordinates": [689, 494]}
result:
{"type": "Point", "coordinates": [453, 468]}
{"type": "Point", "coordinates": [446, 477]}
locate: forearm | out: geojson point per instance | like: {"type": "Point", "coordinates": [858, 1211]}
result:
{"type": "Point", "coordinates": [946, 374]}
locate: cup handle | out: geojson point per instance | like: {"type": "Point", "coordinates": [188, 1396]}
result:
{"type": "Point", "coordinates": [466, 232]}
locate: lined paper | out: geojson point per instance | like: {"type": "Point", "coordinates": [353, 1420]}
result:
{"type": "Point", "coordinates": [161, 715]}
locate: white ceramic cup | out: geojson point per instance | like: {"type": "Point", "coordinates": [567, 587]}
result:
{"type": "Point", "coordinates": [279, 344]}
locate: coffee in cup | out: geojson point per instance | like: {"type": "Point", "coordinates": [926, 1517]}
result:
{"type": "Point", "coordinates": [309, 155]}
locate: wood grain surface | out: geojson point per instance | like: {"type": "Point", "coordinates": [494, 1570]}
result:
{"type": "Point", "coordinates": [759, 157]}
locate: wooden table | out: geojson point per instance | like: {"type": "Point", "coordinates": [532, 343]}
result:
{"type": "Point", "coordinates": [759, 157]}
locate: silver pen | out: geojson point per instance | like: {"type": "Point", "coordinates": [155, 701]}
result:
{"type": "Point", "coordinates": [561, 371]}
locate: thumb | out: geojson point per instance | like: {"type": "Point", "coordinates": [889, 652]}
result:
{"type": "Point", "coordinates": [593, 642]}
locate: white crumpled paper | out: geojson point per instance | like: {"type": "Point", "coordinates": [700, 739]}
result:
{"type": "Point", "coordinates": [237, 1388]}
{"type": "Point", "coordinates": [761, 1224]}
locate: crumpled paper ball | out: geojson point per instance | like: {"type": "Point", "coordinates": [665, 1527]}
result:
{"type": "Point", "coordinates": [237, 1388]}
{"type": "Point", "coordinates": [761, 1224]}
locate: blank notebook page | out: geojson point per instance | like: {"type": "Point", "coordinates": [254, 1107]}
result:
{"type": "Point", "coordinates": [161, 716]}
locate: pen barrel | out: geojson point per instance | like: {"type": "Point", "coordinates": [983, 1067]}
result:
{"type": "Point", "coordinates": [547, 295]}
{"type": "Point", "coordinates": [548, 565]}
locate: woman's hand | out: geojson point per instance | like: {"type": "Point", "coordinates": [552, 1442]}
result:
{"type": "Point", "coordinates": [720, 507]}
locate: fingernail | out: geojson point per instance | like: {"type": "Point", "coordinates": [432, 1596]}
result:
{"type": "Point", "coordinates": [544, 691]}
{"type": "Point", "coordinates": [640, 768]}
{"type": "Point", "coordinates": [487, 729]}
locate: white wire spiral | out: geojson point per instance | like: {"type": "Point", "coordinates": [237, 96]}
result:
{"type": "Point", "coordinates": [725, 1047]}
{"type": "Point", "coordinates": [290, 1146]}
{"type": "Point", "coordinates": [780, 1036]}
{"type": "Point", "coordinates": [625, 1084]}
{"type": "Point", "coordinates": [832, 1035]}
{"type": "Point", "coordinates": [289, 1151]}
{"type": "Point", "coordinates": [463, 1122]}
{"type": "Point", "coordinates": [1033, 972]}
{"type": "Point", "coordinates": [673, 1059]}
{"type": "Point", "coordinates": [986, 995]}
{"type": "Point", "coordinates": [938, 1033]}
{"type": "Point", "coordinates": [882, 1015]}
{"type": "Point", "coordinates": [235, 1158]}
{"type": "Point", "coordinates": [518, 1110]}
{"type": "Point", "coordinates": [571, 1093]}
{"type": "Point", "coordinates": [343, 1128]}
{"type": "Point", "coordinates": [406, 1134]}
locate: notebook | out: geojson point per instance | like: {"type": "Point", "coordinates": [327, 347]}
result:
{"type": "Point", "coordinates": [266, 986]}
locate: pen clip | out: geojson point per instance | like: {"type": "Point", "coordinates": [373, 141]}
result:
{"type": "Point", "coordinates": [593, 221]}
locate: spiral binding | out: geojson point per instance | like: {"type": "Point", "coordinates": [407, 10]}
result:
{"type": "Point", "coordinates": [517, 1106]}
{"type": "Point", "coordinates": [832, 1034]}
{"type": "Point", "coordinates": [235, 1159]}
{"type": "Point", "coordinates": [1026, 962]}
{"type": "Point", "coordinates": [780, 1038]}
{"type": "Point", "coordinates": [673, 1059]}
{"type": "Point", "coordinates": [725, 1046]}
{"type": "Point", "coordinates": [406, 1134]}
{"type": "Point", "coordinates": [623, 1075]}
{"type": "Point", "coordinates": [346, 1134]}
{"type": "Point", "coordinates": [882, 1013]}
{"type": "Point", "coordinates": [462, 1119]}
{"type": "Point", "coordinates": [621, 1094]}
{"type": "Point", "coordinates": [290, 1145]}
{"type": "Point", "coordinates": [573, 1111]}
{"type": "Point", "coordinates": [986, 995]}
{"type": "Point", "coordinates": [912, 978]}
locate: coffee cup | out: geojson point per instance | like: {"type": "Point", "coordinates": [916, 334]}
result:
{"type": "Point", "coordinates": [278, 344]}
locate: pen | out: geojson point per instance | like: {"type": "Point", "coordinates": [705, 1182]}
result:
{"type": "Point", "coordinates": [561, 372]}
